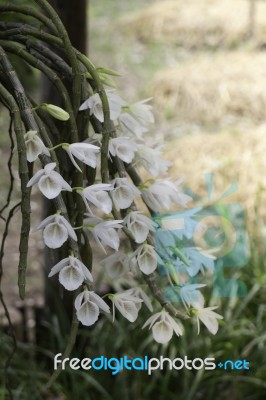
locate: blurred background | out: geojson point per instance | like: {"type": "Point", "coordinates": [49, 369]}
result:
{"type": "Point", "coordinates": [204, 64]}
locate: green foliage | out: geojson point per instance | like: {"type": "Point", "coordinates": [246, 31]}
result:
{"type": "Point", "coordinates": [241, 336]}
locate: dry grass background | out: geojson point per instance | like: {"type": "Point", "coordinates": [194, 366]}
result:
{"type": "Point", "coordinates": [231, 157]}
{"type": "Point", "coordinates": [217, 83]}
{"type": "Point", "coordinates": [212, 88]}
{"type": "Point", "coordinates": [196, 23]}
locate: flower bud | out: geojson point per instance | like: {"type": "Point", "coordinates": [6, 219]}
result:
{"type": "Point", "coordinates": [55, 111]}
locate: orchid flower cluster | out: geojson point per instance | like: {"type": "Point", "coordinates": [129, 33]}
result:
{"type": "Point", "coordinates": [111, 216]}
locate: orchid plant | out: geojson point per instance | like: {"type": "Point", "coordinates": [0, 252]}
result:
{"type": "Point", "coordinates": [88, 157]}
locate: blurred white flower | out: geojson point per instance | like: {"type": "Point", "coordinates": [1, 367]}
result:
{"type": "Point", "coordinates": [72, 272]}
{"type": "Point", "coordinates": [129, 124]}
{"type": "Point", "coordinates": [207, 316]}
{"type": "Point", "coordinates": [126, 303]}
{"type": "Point", "coordinates": [34, 146]}
{"type": "Point", "coordinates": [49, 181]}
{"type": "Point", "coordinates": [104, 232]}
{"type": "Point", "coordinates": [146, 258]}
{"type": "Point", "coordinates": [142, 111]}
{"type": "Point", "coordinates": [98, 196]}
{"type": "Point", "coordinates": [139, 293]}
{"type": "Point", "coordinates": [163, 326]}
{"type": "Point", "coordinates": [85, 152]}
{"type": "Point", "coordinates": [139, 225]}
{"type": "Point", "coordinates": [94, 103]}
{"type": "Point", "coordinates": [190, 294]}
{"type": "Point", "coordinates": [150, 159]}
{"type": "Point", "coordinates": [122, 148]}
{"type": "Point", "coordinates": [88, 305]}
{"type": "Point", "coordinates": [123, 193]}
{"type": "Point", "coordinates": [56, 231]}
{"type": "Point", "coordinates": [116, 264]}
{"type": "Point", "coordinates": [198, 259]}
{"type": "Point", "coordinates": [162, 194]}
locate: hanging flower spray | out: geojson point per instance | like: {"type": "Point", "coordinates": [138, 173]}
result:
{"type": "Point", "coordinates": [88, 165]}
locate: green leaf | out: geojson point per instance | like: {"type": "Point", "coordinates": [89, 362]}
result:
{"type": "Point", "coordinates": [107, 71]}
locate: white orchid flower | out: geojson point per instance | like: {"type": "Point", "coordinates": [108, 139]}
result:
{"type": "Point", "coordinates": [34, 146]}
{"type": "Point", "coordinates": [104, 232]}
{"type": "Point", "coordinates": [94, 103]}
{"type": "Point", "coordinates": [49, 181]}
{"type": "Point", "coordinates": [127, 305]}
{"type": "Point", "coordinates": [56, 231]}
{"type": "Point", "coordinates": [129, 124]}
{"type": "Point", "coordinates": [190, 294]}
{"type": "Point", "coordinates": [142, 111]}
{"type": "Point", "coordinates": [146, 258]}
{"type": "Point", "coordinates": [98, 196]}
{"type": "Point", "coordinates": [139, 225]}
{"type": "Point", "coordinates": [139, 293]}
{"type": "Point", "coordinates": [123, 193]}
{"type": "Point", "coordinates": [150, 159]}
{"type": "Point", "coordinates": [72, 272]}
{"type": "Point", "coordinates": [207, 316]}
{"type": "Point", "coordinates": [88, 305]}
{"type": "Point", "coordinates": [85, 152]}
{"type": "Point", "coordinates": [116, 264]}
{"type": "Point", "coordinates": [163, 327]}
{"type": "Point", "coordinates": [122, 148]}
{"type": "Point", "coordinates": [162, 194]}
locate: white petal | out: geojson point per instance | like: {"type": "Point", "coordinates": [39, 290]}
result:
{"type": "Point", "coordinates": [33, 150]}
{"type": "Point", "coordinates": [98, 187]}
{"type": "Point", "coordinates": [71, 277]}
{"type": "Point", "coordinates": [72, 158]}
{"type": "Point", "coordinates": [78, 301]}
{"type": "Point", "coordinates": [140, 231]}
{"type": "Point", "coordinates": [144, 297]}
{"type": "Point", "coordinates": [49, 167]}
{"type": "Point", "coordinates": [54, 235]}
{"type": "Point", "coordinates": [116, 270]}
{"type": "Point", "coordinates": [150, 321]}
{"type": "Point", "coordinates": [49, 186]}
{"type": "Point", "coordinates": [85, 271]}
{"type": "Point", "coordinates": [85, 105]}
{"type": "Point", "coordinates": [177, 326]}
{"type": "Point", "coordinates": [108, 236]}
{"type": "Point", "coordinates": [46, 151]}
{"type": "Point", "coordinates": [100, 302]}
{"type": "Point", "coordinates": [104, 202]}
{"type": "Point", "coordinates": [122, 197]}
{"type": "Point", "coordinates": [56, 268]}
{"type": "Point", "coordinates": [128, 309]}
{"type": "Point", "coordinates": [85, 152]}
{"type": "Point", "coordinates": [45, 222]}
{"type": "Point", "coordinates": [35, 178]}
{"type": "Point", "coordinates": [210, 323]}
{"type": "Point", "coordinates": [162, 332]}
{"type": "Point", "coordinates": [61, 181]}
{"type": "Point", "coordinates": [88, 313]}
{"type": "Point", "coordinates": [69, 228]}
{"type": "Point", "coordinates": [125, 154]}
{"type": "Point", "coordinates": [147, 260]}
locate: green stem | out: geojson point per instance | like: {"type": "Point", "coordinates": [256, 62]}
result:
{"type": "Point", "coordinates": [70, 344]}
{"type": "Point", "coordinates": [25, 192]}
{"type": "Point", "coordinates": [77, 77]}
{"type": "Point", "coordinates": [29, 11]}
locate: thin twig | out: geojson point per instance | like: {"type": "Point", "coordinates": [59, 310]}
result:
{"type": "Point", "coordinates": [10, 325]}
{"type": "Point", "coordinates": [9, 165]}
